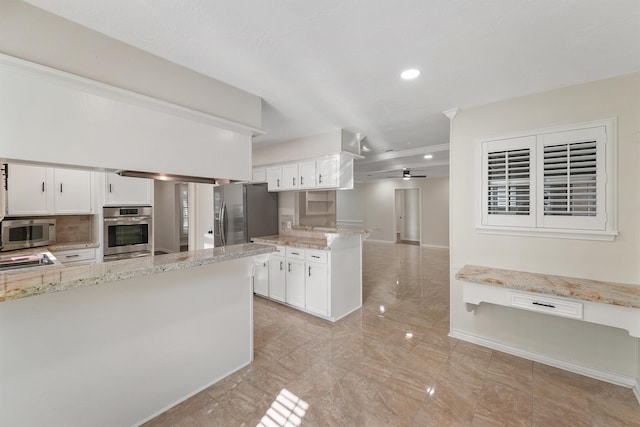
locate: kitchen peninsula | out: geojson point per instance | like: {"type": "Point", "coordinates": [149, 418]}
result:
{"type": "Point", "coordinates": [315, 269]}
{"type": "Point", "coordinates": [117, 343]}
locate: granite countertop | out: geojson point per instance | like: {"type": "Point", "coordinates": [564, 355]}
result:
{"type": "Point", "coordinates": [72, 245]}
{"type": "Point", "coordinates": [15, 284]}
{"type": "Point", "coordinates": [569, 287]}
{"type": "Point", "coordinates": [294, 241]}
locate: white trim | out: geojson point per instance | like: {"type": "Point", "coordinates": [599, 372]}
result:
{"type": "Point", "coordinates": [112, 92]}
{"type": "Point", "coordinates": [381, 241]}
{"type": "Point", "coordinates": [605, 236]}
{"type": "Point", "coordinates": [598, 374]}
{"type": "Point", "coordinates": [424, 245]}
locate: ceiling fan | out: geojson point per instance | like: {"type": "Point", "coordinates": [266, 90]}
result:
{"type": "Point", "coordinates": [406, 175]}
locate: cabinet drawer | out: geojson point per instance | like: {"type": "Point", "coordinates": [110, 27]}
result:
{"type": "Point", "coordinates": [75, 255]}
{"type": "Point", "coordinates": [280, 250]}
{"type": "Point", "coordinates": [547, 305]}
{"type": "Point", "coordinates": [295, 253]}
{"type": "Point", "coordinates": [316, 256]}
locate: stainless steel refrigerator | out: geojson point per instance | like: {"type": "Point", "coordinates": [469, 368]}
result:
{"type": "Point", "coordinates": [243, 211]}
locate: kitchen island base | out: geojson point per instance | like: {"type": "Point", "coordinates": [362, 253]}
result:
{"type": "Point", "coordinates": [123, 352]}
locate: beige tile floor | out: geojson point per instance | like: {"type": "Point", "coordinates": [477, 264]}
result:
{"type": "Point", "coordinates": [392, 364]}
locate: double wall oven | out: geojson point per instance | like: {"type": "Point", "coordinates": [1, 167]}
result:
{"type": "Point", "coordinates": [128, 232]}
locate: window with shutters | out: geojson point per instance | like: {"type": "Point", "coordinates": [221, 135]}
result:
{"type": "Point", "coordinates": [552, 181]}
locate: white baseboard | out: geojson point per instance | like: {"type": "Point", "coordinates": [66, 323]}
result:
{"type": "Point", "coordinates": [434, 246]}
{"type": "Point", "coordinates": [379, 241]}
{"type": "Point", "coordinates": [598, 374]}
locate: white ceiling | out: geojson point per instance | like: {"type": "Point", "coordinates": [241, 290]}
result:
{"type": "Point", "coordinates": [321, 65]}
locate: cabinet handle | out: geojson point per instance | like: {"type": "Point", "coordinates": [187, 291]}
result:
{"type": "Point", "coordinates": [278, 182]}
{"type": "Point", "coordinates": [43, 186]}
{"type": "Point", "coordinates": [281, 266]}
{"type": "Point", "coordinates": [301, 180]}
{"type": "Point", "coordinates": [320, 178]}
{"type": "Point", "coordinates": [289, 267]}
{"type": "Point", "coordinates": [61, 187]}
{"type": "Point", "coordinates": [294, 181]}
{"type": "Point", "coordinates": [543, 305]}
{"type": "Point", "coordinates": [72, 256]}
{"type": "Point", "coordinates": [109, 188]}
{"type": "Point", "coordinates": [315, 256]}
{"type": "Point", "coordinates": [309, 271]}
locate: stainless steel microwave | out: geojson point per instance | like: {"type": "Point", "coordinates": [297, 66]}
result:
{"type": "Point", "coordinates": [27, 233]}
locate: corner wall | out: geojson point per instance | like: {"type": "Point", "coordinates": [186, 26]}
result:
{"type": "Point", "coordinates": [570, 343]}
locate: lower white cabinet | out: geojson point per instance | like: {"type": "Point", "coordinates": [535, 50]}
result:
{"type": "Point", "coordinates": [295, 283]}
{"type": "Point", "coordinates": [73, 257]}
{"type": "Point", "coordinates": [317, 288]}
{"type": "Point", "coordinates": [261, 277]}
{"type": "Point", "coordinates": [277, 278]}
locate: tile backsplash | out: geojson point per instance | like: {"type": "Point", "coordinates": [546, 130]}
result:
{"type": "Point", "coordinates": [73, 228]}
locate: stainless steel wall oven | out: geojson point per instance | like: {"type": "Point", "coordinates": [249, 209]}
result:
{"type": "Point", "coordinates": [128, 232]}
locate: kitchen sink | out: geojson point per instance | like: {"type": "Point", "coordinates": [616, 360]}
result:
{"type": "Point", "coordinates": [36, 259]}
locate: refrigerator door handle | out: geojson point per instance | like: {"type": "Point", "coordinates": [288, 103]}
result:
{"type": "Point", "coordinates": [221, 223]}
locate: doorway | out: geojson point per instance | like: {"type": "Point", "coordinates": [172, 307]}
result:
{"type": "Point", "coordinates": [407, 216]}
{"type": "Point", "coordinates": [171, 217]}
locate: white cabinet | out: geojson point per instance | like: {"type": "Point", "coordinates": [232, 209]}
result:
{"type": "Point", "coordinates": [122, 190]}
{"type": "Point", "coordinates": [295, 283]}
{"type": "Point", "coordinates": [328, 172]}
{"type": "Point", "coordinates": [334, 171]}
{"type": "Point", "coordinates": [290, 177]}
{"type": "Point", "coordinates": [277, 278]}
{"type": "Point", "coordinates": [38, 190]}
{"type": "Point", "coordinates": [307, 172]}
{"type": "Point", "coordinates": [74, 257]}
{"type": "Point", "coordinates": [261, 277]}
{"type": "Point", "coordinates": [72, 191]}
{"type": "Point", "coordinates": [29, 190]}
{"type": "Point", "coordinates": [317, 282]}
{"type": "Point", "coordinates": [274, 178]}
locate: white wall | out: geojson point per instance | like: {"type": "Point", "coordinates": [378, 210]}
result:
{"type": "Point", "coordinates": [308, 147]}
{"type": "Point", "coordinates": [35, 35]}
{"type": "Point", "coordinates": [582, 344]}
{"type": "Point", "coordinates": [379, 210]}
{"type": "Point", "coordinates": [349, 207]}
{"type": "Point", "coordinates": [411, 214]}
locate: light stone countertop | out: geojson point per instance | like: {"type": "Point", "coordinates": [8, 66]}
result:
{"type": "Point", "coordinates": [294, 241]}
{"type": "Point", "coordinates": [582, 289]}
{"type": "Point", "coordinates": [72, 245]}
{"type": "Point", "coordinates": [15, 284]}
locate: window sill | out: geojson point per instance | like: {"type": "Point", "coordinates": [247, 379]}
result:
{"type": "Point", "coordinates": [607, 236]}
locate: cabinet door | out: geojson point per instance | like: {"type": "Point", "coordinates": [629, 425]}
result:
{"type": "Point", "coordinates": [277, 277]}
{"type": "Point", "coordinates": [274, 178]}
{"type": "Point", "coordinates": [307, 174]}
{"type": "Point", "coordinates": [261, 278]}
{"type": "Point", "coordinates": [328, 172]}
{"type": "Point", "coordinates": [29, 190]}
{"type": "Point", "coordinates": [317, 288]}
{"type": "Point", "coordinates": [295, 283]}
{"type": "Point", "coordinates": [290, 177]}
{"type": "Point", "coordinates": [122, 190]}
{"type": "Point", "coordinates": [259, 175]}
{"type": "Point", "coordinates": [72, 191]}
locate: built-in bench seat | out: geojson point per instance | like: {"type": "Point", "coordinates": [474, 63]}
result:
{"type": "Point", "coordinates": [605, 303]}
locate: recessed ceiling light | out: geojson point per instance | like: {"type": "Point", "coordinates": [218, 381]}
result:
{"type": "Point", "coordinates": [409, 74]}
{"type": "Point", "coordinates": [428, 156]}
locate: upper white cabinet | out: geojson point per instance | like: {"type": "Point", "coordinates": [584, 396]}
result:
{"type": "Point", "coordinates": [334, 171]}
{"type": "Point", "coordinates": [307, 172]}
{"type": "Point", "coordinates": [122, 191]}
{"type": "Point", "coordinates": [290, 179]}
{"type": "Point", "coordinates": [38, 190]}
{"type": "Point", "coordinates": [274, 178]}
{"type": "Point", "coordinates": [72, 191]}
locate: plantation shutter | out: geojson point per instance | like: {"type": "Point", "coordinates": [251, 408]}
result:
{"type": "Point", "coordinates": [571, 194]}
{"type": "Point", "coordinates": [509, 182]}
